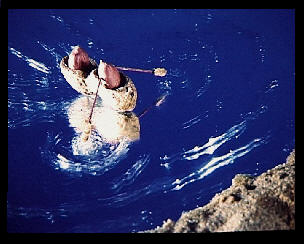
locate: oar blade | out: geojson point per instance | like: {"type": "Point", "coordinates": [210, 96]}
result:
{"type": "Point", "coordinates": [160, 72]}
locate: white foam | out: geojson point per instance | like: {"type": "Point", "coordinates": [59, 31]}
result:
{"type": "Point", "coordinates": [214, 143]}
{"type": "Point", "coordinates": [31, 62]}
{"type": "Point", "coordinates": [217, 162]}
{"type": "Point", "coordinates": [36, 65]}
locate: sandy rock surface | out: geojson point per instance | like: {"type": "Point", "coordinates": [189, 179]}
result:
{"type": "Point", "coordinates": [265, 202]}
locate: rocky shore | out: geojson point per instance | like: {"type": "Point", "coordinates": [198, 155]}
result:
{"type": "Point", "coordinates": [265, 202]}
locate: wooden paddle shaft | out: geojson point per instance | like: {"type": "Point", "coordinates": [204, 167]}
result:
{"type": "Point", "coordinates": [134, 69]}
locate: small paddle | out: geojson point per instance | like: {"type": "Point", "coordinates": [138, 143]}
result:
{"type": "Point", "coordinates": [88, 123]}
{"type": "Point", "coordinates": [157, 103]}
{"type": "Point", "coordinates": [156, 71]}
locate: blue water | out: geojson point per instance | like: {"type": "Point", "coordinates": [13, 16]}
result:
{"type": "Point", "coordinates": [229, 109]}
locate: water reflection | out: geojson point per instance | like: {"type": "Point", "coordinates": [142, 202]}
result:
{"type": "Point", "coordinates": [111, 125]}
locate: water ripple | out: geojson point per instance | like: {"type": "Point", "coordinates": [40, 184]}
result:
{"type": "Point", "coordinates": [131, 174]}
{"type": "Point", "coordinates": [217, 162]}
{"type": "Point", "coordinates": [94, 157]}
{"type": "Point", "coordinates": [31, 62]}
{"type": "Point", "coordinates": [209, 147]}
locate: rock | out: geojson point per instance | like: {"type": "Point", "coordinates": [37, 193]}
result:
{"type": "Point", "coordinates": [265, 202]}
